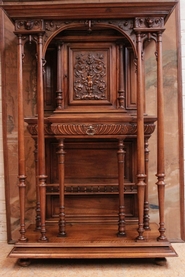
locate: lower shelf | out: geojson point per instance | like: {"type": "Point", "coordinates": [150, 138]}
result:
{"type": "Point", "coordinates": [92, 241]}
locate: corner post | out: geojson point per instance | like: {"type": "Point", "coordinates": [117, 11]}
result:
{"type": "Point", "coordinates": [160, 138]}
{"type": "Point", "coordinates": [41, 139]}
{"type": "Point", "coordinates": [21, 143]}
{"type": "Point", "coordinates": [140, 139]}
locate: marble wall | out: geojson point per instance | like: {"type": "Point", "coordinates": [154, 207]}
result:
{"type": "Point", "coordinates": [3, 230]}
{"type": "Point", "coordinates": [182, 14]}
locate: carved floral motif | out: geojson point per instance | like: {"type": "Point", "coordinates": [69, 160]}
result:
{"type": "Point", "coordinates": [90, 77]}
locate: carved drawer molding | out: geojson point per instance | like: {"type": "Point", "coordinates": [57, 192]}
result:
{"type": "Point", "coordinates": [90, 129]}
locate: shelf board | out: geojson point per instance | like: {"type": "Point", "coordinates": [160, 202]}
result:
{"type": "Point", "coordinates": [92, 241]}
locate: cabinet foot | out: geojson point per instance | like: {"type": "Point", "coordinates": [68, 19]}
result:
{"type": "Point", "coordinates": [24, 262]}
{"type": "Point", "coordinates": [160, 261]}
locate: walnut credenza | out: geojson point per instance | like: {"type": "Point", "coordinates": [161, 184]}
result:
{"type": "Point", "coordinates": [90, 129]}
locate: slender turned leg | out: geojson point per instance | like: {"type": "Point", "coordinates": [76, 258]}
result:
{"type": "Point", "coordinates": [141, 192]}
{"type": "Point", "coordinates": [59, 93]}
{"type": "Point", "coordinates": [61, 154]}
{"type": "Point", "coordinates": [160, 139]}
{"type": "Point", "coordinates": [42, 193]}
{"type": "Point", "coordinates": [21, 146]}
{"type": "Point", "coordinates": [146, 203]}
{"type": "Point", "coordinates": [121, 156]}
{"type": "Point", "coordinates": [37, 218]}
{"type": "Point", "coordinates": [140, 141]}
{"type": "Point", "coordinates": [41, 140]}
{"type": "Point", "coordinates": [161, 193]}
{"type": "Point", "coordinates": [22, 188]}
{"type": "Point", "coordinates": [121, 91]}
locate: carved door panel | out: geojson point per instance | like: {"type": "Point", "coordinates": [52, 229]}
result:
{"type": "Point", "coordinates": [91, 75]}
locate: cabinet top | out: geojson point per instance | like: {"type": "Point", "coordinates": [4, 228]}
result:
{"type": "Point", "coordinates": [87, 9]}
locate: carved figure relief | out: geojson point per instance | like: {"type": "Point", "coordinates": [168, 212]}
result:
{"type": "Point", "coordinates": [149, 22]}
{"type": "Point", "coordinates": [34, 25]}
{"type": "Point", "coordinates": [90, 74]}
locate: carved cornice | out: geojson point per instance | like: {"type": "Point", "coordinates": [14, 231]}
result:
{"type": "Point", "coordinates": [148, 26]}
{"type": "Point", "coordinates": [124, 25]}
{"type": "Point", "coordinates": [128, 27]}
{"type": "Point", "coordinates": [87, 9]}
{"type": "Point", "coordinates": [84, 129]}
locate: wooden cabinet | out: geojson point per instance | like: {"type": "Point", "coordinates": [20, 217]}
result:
{"type": "Point", "coordinates": [91, 131]}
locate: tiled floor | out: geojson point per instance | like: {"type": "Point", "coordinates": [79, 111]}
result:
{"type": "Point", "coordinates": [174, 267]}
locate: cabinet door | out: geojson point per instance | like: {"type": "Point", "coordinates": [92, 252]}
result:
{"type": "Point", "coordinates": [91, 76]}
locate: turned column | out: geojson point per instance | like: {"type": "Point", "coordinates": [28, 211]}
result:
{"type": "Point", "coordinates": [61, 155]}
{"type": "Point", "coordinates": [41, 139]}
{"type": "Point", "coordinates": [37, 219]}
{"type": "Point", "coordinates": [146, 203]}
{"type": "Point", "coordinates": [121, 158]}
{"type": "Point", "coordinates": [160, 138]}
{"type": "Point", "coordinates": [140, 140]}
{"type": "Point", "coordinates": [121, 91]}
{"type": "Point", "coordinates": [59, 96]}
{"type": "Point", "coordinates": [21, 144]}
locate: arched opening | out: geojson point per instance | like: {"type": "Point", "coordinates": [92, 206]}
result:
{"type": "Point", "coordinates": [74, 57]}
{"type": "Point", "coordinates": [90, 66]}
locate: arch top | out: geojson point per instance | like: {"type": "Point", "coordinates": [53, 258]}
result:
{"type": "Point", "coordinates": [123, 27]}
